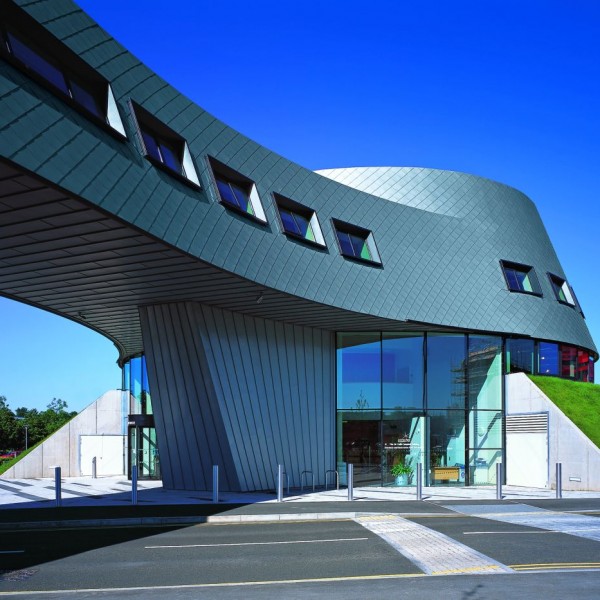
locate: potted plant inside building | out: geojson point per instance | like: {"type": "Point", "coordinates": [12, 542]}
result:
{"type": "Point", "coordinates": [402, 472]}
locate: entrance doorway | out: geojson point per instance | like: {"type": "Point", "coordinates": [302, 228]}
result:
{"type": "Point", "coordinates": [143, 451]}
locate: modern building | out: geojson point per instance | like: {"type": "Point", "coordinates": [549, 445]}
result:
{"type": "Point", "coordinates": [265, 314]}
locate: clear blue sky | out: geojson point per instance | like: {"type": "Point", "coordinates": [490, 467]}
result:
{"type": "Point", "coordinates": [507, 90]}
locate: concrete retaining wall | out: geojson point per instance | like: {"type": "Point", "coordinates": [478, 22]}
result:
{"type": "Point", "coordinates": [102, 417]}
{"type": "Point", "coordinates": [580, 458]}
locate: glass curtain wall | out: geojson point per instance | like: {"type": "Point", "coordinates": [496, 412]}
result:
{"type": "Point", "coordinates": [485, 410]}
{"type": "Point", "coordinates": [135, 381]}
{"type": "Point", "coordinates": [525, 355]}
{"type": "Point", "coordinates": [394, 413]}
{"type": "Point", "coordinates": [141, 434]}
{"type": "Point", "coordinates": [446, 404]}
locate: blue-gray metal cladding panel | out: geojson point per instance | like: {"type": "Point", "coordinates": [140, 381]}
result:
{"type": "Point", "coordinates": [440, 250]}
{"type": "Point", "coordinates": [191, 434]}
{"type": "Point", "coordinates": [242, 392]}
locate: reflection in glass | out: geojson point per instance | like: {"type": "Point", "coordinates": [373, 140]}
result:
{"type": "Point", "coordinates": [485, 429]}
{"type": "Point", "coordinates": [359, 371]}
{"type": "Point", "coordinates": [404, 444]}
{"type": "Point", "coordinates": [568, 362]}
{"type": "Point", "coordinates": [519, 355]}
{"type": "Point", "coordinates": [402, 368]}
{"type": "Point", "coordinates": [548, 359]}
{"type": "Point", "coordinates": [135, 380]}
{"type": "Point", "coordinates": [485, 372]}
{"type": "Point", "coordinates": [583, 362]}
{"type": "Point", "coordinates": [37, 63]}
{"type": "Point", "coordinates": [446, 377]}
{"type": "Point", "coordinates": [482, 466]}
{"type": "Point", "coordinates": [358, 433]}
{"type": "Point", "coordinates": [446, 447]}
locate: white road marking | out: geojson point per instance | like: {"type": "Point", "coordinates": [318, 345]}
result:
{"type": "Point", "coordinates": [507, 532]}
{"type": "Point", "coordinates": [539, 518]}
{"type": "Point", "coordinates": [12, 551]}
{"type": "Point", "coordinates": [359, 539]}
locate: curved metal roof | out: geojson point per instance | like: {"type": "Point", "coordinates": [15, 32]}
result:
{"type": "Point", "coordinates": [91, 229]}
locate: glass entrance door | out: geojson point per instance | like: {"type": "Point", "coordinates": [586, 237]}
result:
{"type": "Point", "coordinates": [143, 452]}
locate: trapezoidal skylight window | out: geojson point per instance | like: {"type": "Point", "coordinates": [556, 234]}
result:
{"type": "Point", "coordinates": [356, 242]}
{"type": "Point", "coordinates": [236, 191]}
{"type": "Point", "coordinates": [35, 51]}
{"type": "Point", "coordinates": [299, 221]}
{"type": "Point", "coordinates": [562, 291]}
{"type": "Point", "coordinates": [520, 278]}
{"type": "Point", "coordinates": [163, 147]}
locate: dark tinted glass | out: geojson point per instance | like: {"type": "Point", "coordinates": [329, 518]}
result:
{"type": "Point", "coordinates": [358, 245]}
{"type": "Point", "coordinates": [86, 99]}
{"type": "Point", "coordinates": [345, 243]}
{"type": "Point", "coordinates": [241, 195]}
{"type": "Point", "coordinates": [548, 359]}
{"type": "Point", "coordinates": [151, 146]}
{"type": "Point", "coordinates": [519, 356]}
{"type": "Point", "coordinates": [302, 224]}
{"type": "Point", "coordinates": [511, 277]}
{"type": "Point", "coordinates": [289, 223]}
{"type": "Point", "coordinates": [226, 192]}
{"type": "Point", "coordinates": [36, 63]}
{"type": "Point", "coordinates": [170, 158]}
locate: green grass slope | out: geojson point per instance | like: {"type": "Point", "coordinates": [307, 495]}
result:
{"type": "Point", "coordinates": [579, 401]}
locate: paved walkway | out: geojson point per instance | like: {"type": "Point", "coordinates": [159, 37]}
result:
{"type": "Point", "coordinates": [116, 491]}
{"type": "Point", "coordinates": [532, 516]}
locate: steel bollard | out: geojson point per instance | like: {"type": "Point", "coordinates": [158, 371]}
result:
{"type": "Point", "coordinates": [94, 476]}
{"type": "Point", "coordinates": [499, 481]}
{"type": "Point", "coordinates": [279, 483]}
{"type": "Point", "coordinates": [559, 480]}
{"type": "Point", "coordinates": [419, 481]}
{"type": "Point", "coordinates": [350, 477]}
{"type": "Point", "coordinates": [134, 490]}
{"type": "Point", "coordinates": [215, 497]}
{"type": "Point", "coordinates": [57, 486]}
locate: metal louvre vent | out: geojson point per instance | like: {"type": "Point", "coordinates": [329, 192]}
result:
{"type": "Point", "coordinates": [531, 423]}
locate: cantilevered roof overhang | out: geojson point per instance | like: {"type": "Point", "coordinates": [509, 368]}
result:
{"type": "Point", "coordinates": [61, 254]}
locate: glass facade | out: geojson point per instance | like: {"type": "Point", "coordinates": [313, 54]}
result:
{"type": "Point", "coordinates": [141, 434]}
{"type": "Point", "coordinates": [409, 398]}
{"type": "Point", "coordinates": [135, 381]}
{"type": "Point", "coordinates": [524, 355]}
{"type": "Point", "coordinates": [520, 356]}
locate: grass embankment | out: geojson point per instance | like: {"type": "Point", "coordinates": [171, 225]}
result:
{"type": "Point", "coordinates": [5, 465]}
{"type": "Point", "coordinates": [579, 401]}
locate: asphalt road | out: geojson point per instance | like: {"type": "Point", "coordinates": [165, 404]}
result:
{"type": "Point", "coordinates": [311, 559]}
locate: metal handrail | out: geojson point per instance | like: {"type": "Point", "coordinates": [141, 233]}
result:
{"type": "Point", "coordinates": [312, 477]}
{"type": "Point", "coordinates": [337, 478]}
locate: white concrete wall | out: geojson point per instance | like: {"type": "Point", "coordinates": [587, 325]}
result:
{"type": "Point", "coordinates": [102, 417]}
{"type": "Point", "coordinates": [580, 458]}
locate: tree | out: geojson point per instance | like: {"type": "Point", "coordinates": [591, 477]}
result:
{"type": "Point", "coordinates": [8, 426]}
{"type": "Point", "coordinates": [39, 424]}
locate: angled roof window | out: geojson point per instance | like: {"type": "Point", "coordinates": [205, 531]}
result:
{"type": "Point", "coordinates": [562, 291]}
{"type": "Point", "coordinates": [356, 242]}
{"type": "Point", "coordinates": [31, 48]}
{"type": "Point", "coordinates": [163, 147]}
{"type": "Point", "coordinates": [520, 278]}
{"type": "Point", "coordinates": [237, 191]}
{"type": "Point", "coordinates": [299, 221]}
